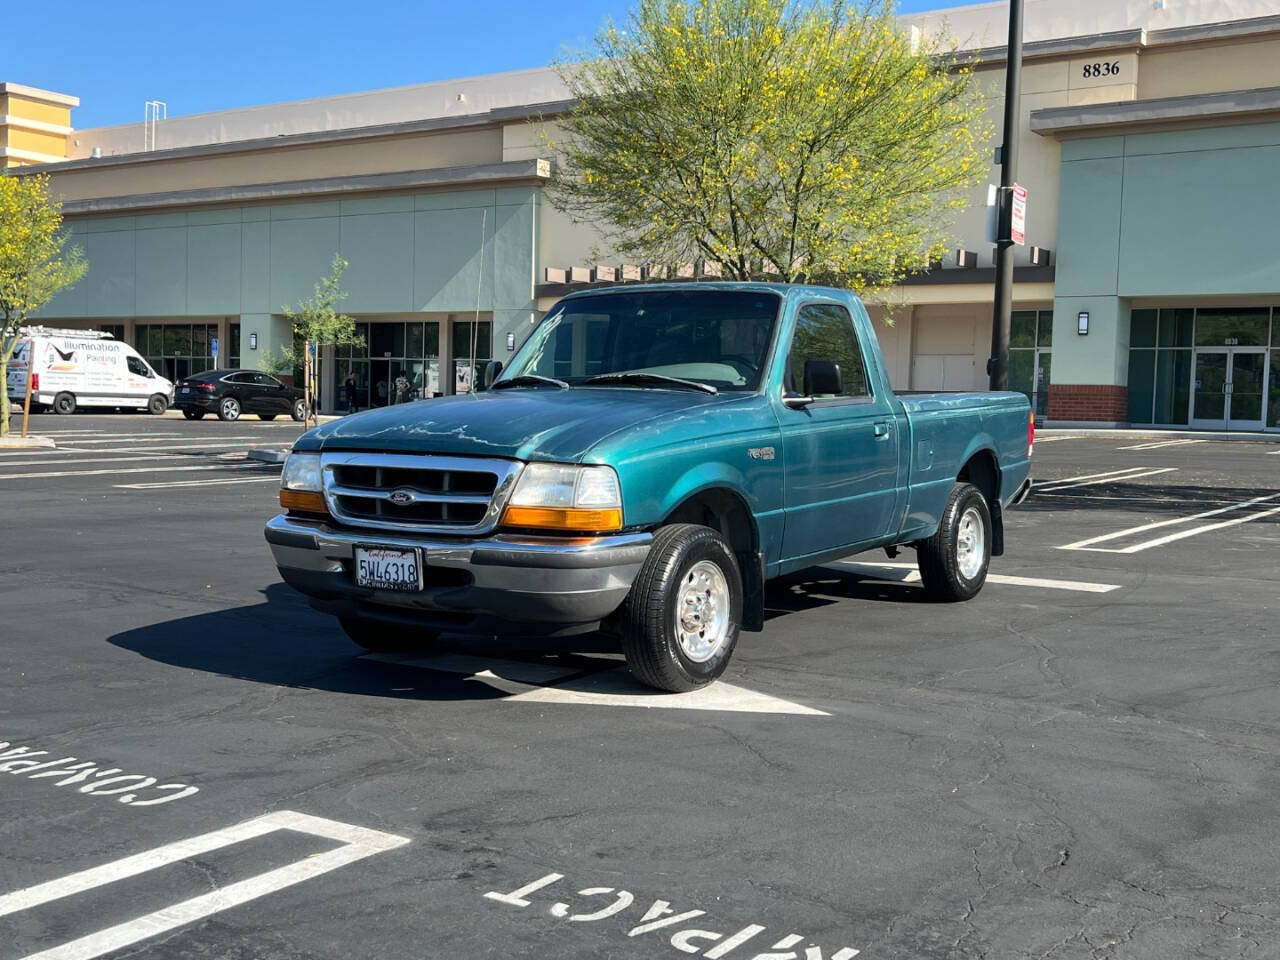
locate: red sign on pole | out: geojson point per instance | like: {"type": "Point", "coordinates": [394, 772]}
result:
{"type": "Point", "coordinates": [1018, 216]}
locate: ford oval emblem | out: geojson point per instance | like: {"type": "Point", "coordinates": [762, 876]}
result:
{"type": "Point", "coordinates": [402, 497]}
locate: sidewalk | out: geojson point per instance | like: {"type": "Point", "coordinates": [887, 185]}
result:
{"type": "Point", "coordinates": [1152, 433]}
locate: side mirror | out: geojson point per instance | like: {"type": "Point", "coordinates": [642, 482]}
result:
{"type": "Point", "coordinates": [822, 377]}
{"type": "Point", "coordinates": [491, 371]}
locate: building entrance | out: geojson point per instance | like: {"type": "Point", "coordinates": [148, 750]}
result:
{"type": "Point", "coordinates": [1228, 388]}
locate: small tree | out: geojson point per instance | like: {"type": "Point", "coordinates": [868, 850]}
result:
{"type": "Point", "coordinates": [798, 139]}
{"type": "Point", "coordinates": [33, 264]}
{"type": "Point", "coordinates": [315, 321]}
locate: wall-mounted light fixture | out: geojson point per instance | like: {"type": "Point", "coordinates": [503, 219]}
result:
{"type": "Point", "coordinates": [253, 341]}
{"type": "Point", "coordinates": [1082, 323]}
{"type": "Point", "coordinates": [511, 342]}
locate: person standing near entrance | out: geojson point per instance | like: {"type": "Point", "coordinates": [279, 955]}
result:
{"type": "Point", "coordinates": [352, 388]}
{"type": "Point", "coordinates": [402, 388]}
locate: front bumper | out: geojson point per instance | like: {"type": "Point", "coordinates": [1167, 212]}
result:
{"type": "Point", "coordinates": [495, 584]}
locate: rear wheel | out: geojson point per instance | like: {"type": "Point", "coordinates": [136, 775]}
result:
{"type": "Point", "coordinates": [384, 638]}
{"type": "Point", "coordinates": [229, 409]}
{"type": "Point", "coordinates": [193, 414]}
{"type": "Point", "coordinates": [157, 405]}
{"type": "Point", "coordinates": [954, 561]}
{"type": "Point", "coordinates": [64, 403]}
{"type": "Point", "coordinates": [680, 622]}
{"type": "Point", "coordinates": [299, 411]}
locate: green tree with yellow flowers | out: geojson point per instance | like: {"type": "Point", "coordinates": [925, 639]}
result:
{"type": "Point", "coordinates": [34, 264]}
{"type": "Point", "coordinates": [810, 140]}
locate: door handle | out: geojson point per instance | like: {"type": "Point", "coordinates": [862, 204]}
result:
{"type": "Point", "coordinates": [881, 430]}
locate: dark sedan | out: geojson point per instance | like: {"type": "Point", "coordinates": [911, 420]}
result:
{"type": "Point", "coordinates": [230, 393]}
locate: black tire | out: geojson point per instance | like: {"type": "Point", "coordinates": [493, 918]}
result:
{"type": "Point", "coordinates": [157, 405]}
{"type": "Point", "coordinates": [647, 619]}
{"type": "Point", "coordinates": [299, 411]}
{"type": "Point", "coordinates": [939, 557]}
{"type": "Point", "coordinates": [228, 409]}
{"type": "Point", "coordinates": [65, 404]}
{"type": "Point", "coordinates": [193, 414]}
{"type": "Point", "coordinates": [266, 416]}
{"type": "Point", "coordinates": [382, 638]}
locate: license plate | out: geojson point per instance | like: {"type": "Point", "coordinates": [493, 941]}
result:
{"type": "Point", "coordinates": [185, 390]}
{"type": "Point", "coordinates": [384, 569]}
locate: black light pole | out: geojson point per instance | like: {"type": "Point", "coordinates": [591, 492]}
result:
{"type": "Point", "coordinates": [998, 365]}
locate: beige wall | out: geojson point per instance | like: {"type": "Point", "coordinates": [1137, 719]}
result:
{"type": "Point", "coordinates": [420, 152]}
{"type": "Point", "coordinates": [1209, 68]}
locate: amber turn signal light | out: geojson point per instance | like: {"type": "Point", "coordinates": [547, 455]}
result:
{"type": "Point", "coordinates": [576, 519]}
{"type": "Point", "coordinates": [303, 501]}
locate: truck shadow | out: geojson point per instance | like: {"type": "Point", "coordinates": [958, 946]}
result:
{"type": "Point", "coordinates": [283, 642]}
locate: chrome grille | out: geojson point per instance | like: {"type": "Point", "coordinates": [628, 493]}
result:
{"type": "Point", "coordinates": [419, 492]}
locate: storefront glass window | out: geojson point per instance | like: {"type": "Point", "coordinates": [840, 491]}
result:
{"type": "Point", "coordinates": [1176, 326]}
{"type": "Point", "coordinates": [463, 373]}
{"type": "Point", "coordinates": [1022, 329]}
{"type": "Point", "coordinates": [1232, 326]}
{"type": "Point", "coordinates": [176, 350]}
{"type": "Point", "coordinates": [1173, 386]}
{"type": "Point", "coordinates": [1044, 338]}
{"type": "Point", "coordinates": [1142, 328]}
{"type": "Point", "coordinates": [233, 348]}
{"type": "Point", "coordinates": [1142, 385]}
{"type": "Point", "coordinates": [1273, 401]}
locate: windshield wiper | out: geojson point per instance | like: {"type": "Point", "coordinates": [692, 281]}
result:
{"type": "Point", "coordinates": [658, 379]}
{"type": "Point", "coordinates": [530, 380]}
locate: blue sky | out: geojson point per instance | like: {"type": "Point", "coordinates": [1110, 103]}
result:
{"type": "Point", "coordinates": [233, 53]}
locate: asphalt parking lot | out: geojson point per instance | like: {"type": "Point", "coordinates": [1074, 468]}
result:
{"type": "Point", "coordinates": [1080, 763]}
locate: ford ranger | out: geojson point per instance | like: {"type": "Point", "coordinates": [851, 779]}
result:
{"type": "Point", "coordinates": [651, 456]}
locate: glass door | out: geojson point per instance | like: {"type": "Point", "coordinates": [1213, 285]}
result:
{"type": "Point", "coordinates": [1244, 390]}
{"type": "Point", "coordinates": [1209, 390]}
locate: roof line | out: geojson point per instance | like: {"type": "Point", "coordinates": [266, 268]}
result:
{"type": "Point", "coordinates": [489, 118]}
{"type": "Point", "coordinates": [35, 93]}
{"type": "Point", "coordinates": [1237, 104]}
{"type": "Point", "coordinates": [480, 174]}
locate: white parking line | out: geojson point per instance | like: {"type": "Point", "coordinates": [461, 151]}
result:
{"type": "Point", "coordinates": [178, 484]}
{"type": "Point", "coordinates": [357, 844]}
{"type": "Point", "coordinates": [16, 456]}
{"type": "Point", "coordinates": [1090, 476]}
{"type": "Point", "coordinates": [134, 459]}
{"type": "Point", "coordinates": [1157, 444]}
{"type": "Point", "coordinates": [1052, 487]}
{"type": "Point", "coordinates": [96, 473]}
{"type": "Point", "coordinates": [1089, 544]}
{"type": "Point", "coordinates": [128, 437]}
{"type": "Point", "coordinates": [913, 576]}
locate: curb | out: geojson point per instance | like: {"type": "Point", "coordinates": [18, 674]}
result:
{"type": "Point", "coordinates": [26, 443]}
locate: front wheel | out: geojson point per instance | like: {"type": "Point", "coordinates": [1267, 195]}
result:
{"type": "Point", "coordinates": [379, 638]}
{"type": "Point", "coordinates": [229, 409]}
{"type": "Point", "coordinates": [299, 411]}
{"type": "Point", "coordinates": [157, 405]}
{"type": "Point", "coordinates": [680, 622]}
{"type": "Point", "coordinates": [954, 561]}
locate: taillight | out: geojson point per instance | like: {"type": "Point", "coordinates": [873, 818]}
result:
{"type": "Point", "coordinates": [35, 382]}
{"type": "Point", "coordinates": [1031, 433]}
{"type": "Point", "coordinates": [206, 388]}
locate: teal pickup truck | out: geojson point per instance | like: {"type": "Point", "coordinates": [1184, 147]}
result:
{"type": "Point", "coordinates": [649, 459]}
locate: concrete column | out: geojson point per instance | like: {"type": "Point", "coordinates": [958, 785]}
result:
{"type": "Point", "coordinates": [1090, 372]}
{"type": "Point", "coordinates": [273, 333]}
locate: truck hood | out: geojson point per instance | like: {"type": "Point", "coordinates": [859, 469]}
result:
{"type": "Point", "coordinates": [520, 423]}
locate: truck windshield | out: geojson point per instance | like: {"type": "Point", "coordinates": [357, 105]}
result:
{"type": "Point", "coordinates": [712, 337]}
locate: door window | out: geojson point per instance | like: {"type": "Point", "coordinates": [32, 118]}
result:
{"type": "Point", "coordinates": [263, 380]}
{"type": "Point", "coordinates": [137, 367]}
{"type": "Point", "coordinates": [824, 331]}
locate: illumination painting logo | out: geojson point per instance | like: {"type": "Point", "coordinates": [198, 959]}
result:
{"type": "Point", "coordinates": [57, 360]}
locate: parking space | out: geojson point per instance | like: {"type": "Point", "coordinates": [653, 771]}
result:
{"type": "Point", "coordinates": [1081, 762]}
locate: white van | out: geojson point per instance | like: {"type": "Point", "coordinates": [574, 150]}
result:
{"type": "Point", "coordinates": [84, 368]}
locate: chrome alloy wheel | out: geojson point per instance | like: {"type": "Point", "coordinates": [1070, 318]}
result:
{"type": "Point", "coordinates": [230, 409]}
{"type": "Point", "coordinates": [702, 611]}
{"type": "Point", "coordinates": [971, 547]}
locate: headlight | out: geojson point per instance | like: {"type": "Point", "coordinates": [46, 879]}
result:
{"type": "Point", "coordinates": [559, 497]}
{"type": "Point", "coordinates": [300, 484]}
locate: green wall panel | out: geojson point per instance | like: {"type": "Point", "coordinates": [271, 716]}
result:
{"type": "Point", "coordinates": [213, 269]}
{"type": "Point", "coordinates": [109, 282]}
{"type": "Point", "coordinates": [1089, 227]}
{"type": "Point", "coordinates": [447, 257]}
{"type": "Point", "coordinates": [379, 251]}
{"type": "Point", "coordinates": [160, 272]}
{"type": "Point", "coordinates": [301, 251]}
{"type": "Point", "coordinates": [255, 267]}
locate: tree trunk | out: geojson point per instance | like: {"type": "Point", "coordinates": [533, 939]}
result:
{"type": "Point", "coordinates": [4, 396]}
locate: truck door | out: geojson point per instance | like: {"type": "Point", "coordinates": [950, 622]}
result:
{"type": "Point", "coordinates": [841, 450]}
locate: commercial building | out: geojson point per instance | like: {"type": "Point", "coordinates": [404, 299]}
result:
{"type": "Point", "coordinates": [1150, 141]}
